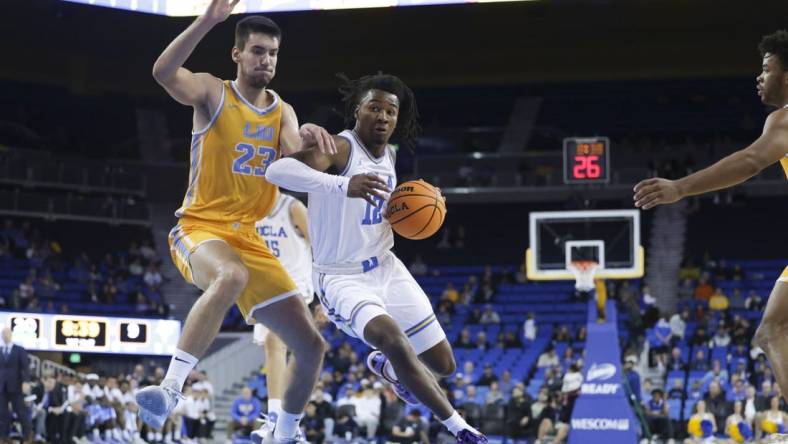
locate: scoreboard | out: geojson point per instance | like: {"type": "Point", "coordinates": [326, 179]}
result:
{"type": "Point", "coordinates": [586, 160]}
{"type": "Point", "coordinates": [93, 334]}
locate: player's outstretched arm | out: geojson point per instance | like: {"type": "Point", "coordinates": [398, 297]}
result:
{"type": "Point", "coordinates": [732, 170]}
{"type": "Point", "coordinates": [304, 172]}
{"type": "Point", "coordinates": [293, 139]}
{"type": "Point", "coordinates": [183, 85]}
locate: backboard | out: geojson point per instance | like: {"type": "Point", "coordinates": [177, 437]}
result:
{"type": "Point", "coordinates": [608, 237]}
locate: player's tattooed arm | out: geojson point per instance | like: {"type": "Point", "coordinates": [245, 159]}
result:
{"type": "Point", "coordinates": [732, 170]}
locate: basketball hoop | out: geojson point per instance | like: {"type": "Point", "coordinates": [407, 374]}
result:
{"type": "Point", "coordinates": [584, 274]}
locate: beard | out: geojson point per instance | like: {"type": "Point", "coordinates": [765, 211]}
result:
{"type": "Point", "coordinates": [258, 82]}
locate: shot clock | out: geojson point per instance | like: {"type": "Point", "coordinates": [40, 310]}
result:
{"type": "Point", "coordinates": [586, 160]}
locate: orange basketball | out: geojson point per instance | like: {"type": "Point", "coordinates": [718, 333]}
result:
{"type": "Point", "coordinates": [416, 210]}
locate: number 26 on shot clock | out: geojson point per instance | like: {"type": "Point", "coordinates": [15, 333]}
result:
{"type": "Point", "coordinates": [586, 160]}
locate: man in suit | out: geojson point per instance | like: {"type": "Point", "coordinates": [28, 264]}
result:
{"type": "Point", "coordinates": [52, 402]}
{"type": "Point", "coordinates": [14, 370]}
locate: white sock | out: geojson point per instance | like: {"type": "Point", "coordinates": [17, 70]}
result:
{"type": "Point", "coordinates": [456, 424]}
{"type": "Point", "coordinates": [287, 425]}
{"type": "Point", "coordinates": [275, 407]}
{"type": "Point", "coordinates": [159, 436]}
{"type": "Point", "coordinates": [151, 436]}
{"type": "Point", "coordinates": [181, 365]}
{"type": "Point", "coordinates": [388, 370]}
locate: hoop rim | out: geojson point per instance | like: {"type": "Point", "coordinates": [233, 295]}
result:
{"type": "Point", "coordinates": [583, 265]}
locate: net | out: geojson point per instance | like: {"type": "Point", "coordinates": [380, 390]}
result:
{"type": "Point", "coordinates": [584, 274]}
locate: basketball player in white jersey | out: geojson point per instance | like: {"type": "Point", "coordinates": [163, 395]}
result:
{"type": "Point", "coordinates": [769, 148]}
{"type": "Point", "coordinates": [285, 233]}
{"type": "Point", "coordinates": [365, 289]}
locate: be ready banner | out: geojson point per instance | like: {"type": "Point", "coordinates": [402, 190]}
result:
{"type": "Point", "coordinates": [602, 413]}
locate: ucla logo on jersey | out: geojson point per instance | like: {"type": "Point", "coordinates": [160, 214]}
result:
{"type": "Point", "coordinates": [260, 132]}
{"type": "Point", "coordinates": [271, 231]}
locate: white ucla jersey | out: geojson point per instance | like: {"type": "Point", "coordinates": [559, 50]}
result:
{"type": "Point", "coordinates": [348, 234]}
{"type": "Point", "coordinates": [287, 244]}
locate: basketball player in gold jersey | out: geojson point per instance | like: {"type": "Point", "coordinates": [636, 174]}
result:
{"type": "Point", "coordinates": [770, 147]}
{"type": "Point", "coordinates": [240, 127]}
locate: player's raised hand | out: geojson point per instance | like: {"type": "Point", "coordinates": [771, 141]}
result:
{"type": "Point", "coordinates": [317, 135]}
{"type": "Point", "coordinates": [657, 191]}
{"type": "Point", "coordinates": [219, 10]}
{"type": "Point", "coordinates": [368, 186]}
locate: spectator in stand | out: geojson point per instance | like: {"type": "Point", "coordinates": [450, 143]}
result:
{"type": "Point", "coordinates": [738, 389]}
{"type": "Point", "coordinates": [568, 358]}
{"type": "Point", "coordinates": [506, 384]}
{"type": "Point", "coordinates": [244, 411]}
{"type": "Point", "coordinates": [700, 338]}
{"type": "Point", "coordinates": [562, 335]}
{"type": "Point", "coordinates": [717, 373]}
{"type": "Point", "coordinates": [721, 338]}
{"type": "Point", "coordinates": [549, 358]}
{"type": "Point", "coordinates": [314, 430]}
{"type": "Point", "coordinates": [704, 290]}
{"type": "Point", "coordinates": [754, 301]}
{"type": "Point", "coordinates": [489, 316]}
{"type": "Point", "coordinates": [718, 300]}
{"type": "Point", "coordinates": [676, 362]}
{"type": "Point", "coordinates": [689, 270]}
{"type": "Point", "coordinates": [494, 395]}
{"type": "Point", "coordinates": [700, 363]}
{"type": "Point", "coordinates": [481, 341]}
{"type": "Point", "coordinates": [488, 377]}
{"type": "Point", "coordinates": [368, 407]}
{"type": "Point", "coordinates": [550, 423]}
{"type": "Point", "coordinates": [464, 340]}
{"type": "Point", "coordinates": [471, 395]}
{"type": "Point", "coordinates": [511, 340]}
{"type": "Point", "coordinates": [678, 325]}
{"type": "Point", "coordinates": [418, 267]}
{"type": "Point", "coordinates": [475, 316]}
{"type": "Point", "coordinates": [450, 293]}
{"type": "Point", "coordinates": [582, 332]}
{"type": "Point", "coordinates": [740, 329]}
{"type": "Point", "coordinates": [153, 278]}
{"type": "Point", "coordinates": [135, 268]}
{"type": "Point", "coordinates": [345, 426]}
{"type": "Point", "coordinates": [656, 411]}
{"type": "Point", "coordinates": [716, 403]}
{"type": "Point", "coordinates": [633, 378]}
{"type": "Point", "coordinates": [410, 429]}
{"type": "Point", "coordinates": [695, 391]}
{"type": "Point", "coordinates": [677, 391]}
{"type": "Point", "coordinates": [518, 415]}
{"type": "Point", "coordinates": [147, 251]}
{"type": "Point", "coordinates": [740, 371]}
{"type": "Point", "coordinates": [648, 299]}
{"type": "Point", "coordinates": [737, 300]}
{"type": "Point", "coordinates": [485, 292]}
{"type": "Point", "coordinates": [529, 327]}
{"type": "Point", "coordinates": [753, 404]}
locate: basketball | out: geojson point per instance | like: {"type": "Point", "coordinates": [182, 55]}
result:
{"type": "Point", "coordinates": [416, 210]}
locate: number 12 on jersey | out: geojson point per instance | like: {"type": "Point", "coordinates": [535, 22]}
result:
{"type": "Point", "coordinates": [372, 215]}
